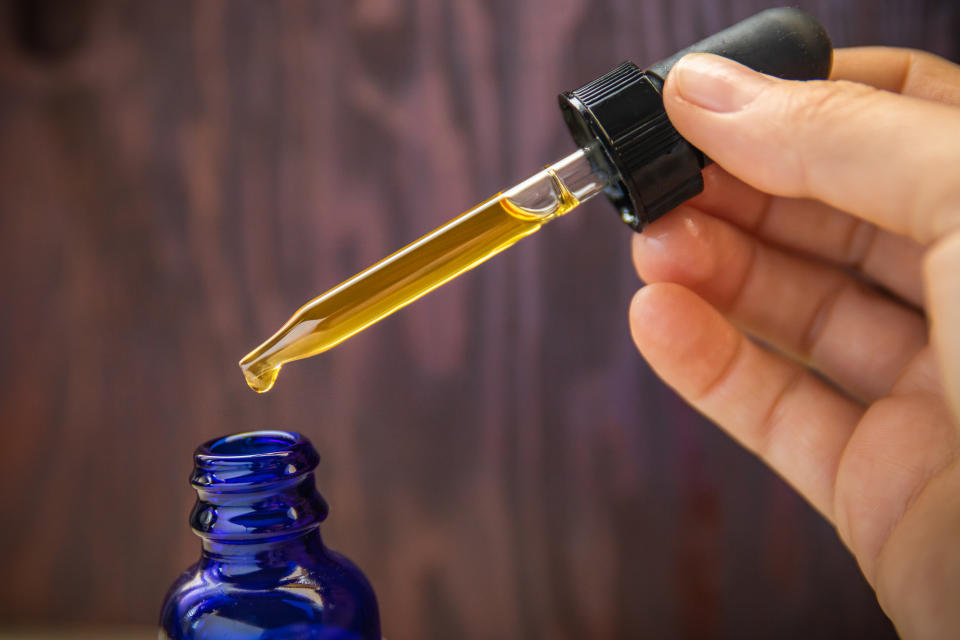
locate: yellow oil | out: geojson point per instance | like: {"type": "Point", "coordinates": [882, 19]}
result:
{"type": "Point", "coordinates": [396, 281]}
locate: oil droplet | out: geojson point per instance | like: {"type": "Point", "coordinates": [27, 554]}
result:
{"type": "Point", "coordinates": [261, 381]}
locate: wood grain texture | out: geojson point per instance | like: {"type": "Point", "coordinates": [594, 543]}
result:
{"type": "Point", "coordinates": [177, 177]}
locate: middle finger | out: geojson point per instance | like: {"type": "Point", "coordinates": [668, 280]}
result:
{"type": "Point", "coordinates": [889, 259]}
{"type": "Point", "coordinates": [814, 312]}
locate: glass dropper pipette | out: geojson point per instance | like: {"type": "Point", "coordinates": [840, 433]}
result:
{"type": "Point", "coordinates": [424, 265]}
{"type": "Point", "coordinates": [629, 150]}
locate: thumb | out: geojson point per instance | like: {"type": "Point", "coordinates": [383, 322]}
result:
{"type": "Point", "coordinates": [887, 158]}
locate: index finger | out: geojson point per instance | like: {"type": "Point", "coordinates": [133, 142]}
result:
{"type": "Point", "coordinates": [905, 71]}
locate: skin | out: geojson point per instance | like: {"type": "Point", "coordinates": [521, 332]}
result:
{"type": "Point", "coordinates": [829, 233]}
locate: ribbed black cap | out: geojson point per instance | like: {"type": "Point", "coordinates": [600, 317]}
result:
{"type": "Point", "coordinates": [652, 168]}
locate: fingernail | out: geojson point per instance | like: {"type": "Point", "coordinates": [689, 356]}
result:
{"type": "Point", "coordinates": [716, 83]}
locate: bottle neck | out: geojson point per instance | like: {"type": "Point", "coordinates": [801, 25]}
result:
{"type": "Point", "coordinates": [284, 554]}
{"type": "Point", "coordinates": [256, 496]}
{"type": "Point", "coordinates": [269, 513]}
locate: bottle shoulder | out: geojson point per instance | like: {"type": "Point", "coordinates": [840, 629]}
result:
{"type": "Point", "coordinates": [327, 594]}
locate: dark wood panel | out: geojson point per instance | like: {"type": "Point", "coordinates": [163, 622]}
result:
{"type": "Point", "coordinates": [177, 177]}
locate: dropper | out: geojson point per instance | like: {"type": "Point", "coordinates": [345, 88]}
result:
{"type": "Point", "coordinates": [424, 265]}
{"type": "Point", "coordinates": [628, 150]}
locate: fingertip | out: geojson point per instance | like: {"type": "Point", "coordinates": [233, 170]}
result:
{"type": "Point", "coordinates": [679, 111]}
{"type": "Point", "coordinates": [715, 83]}
{"type": "Point", "coordinates": [726, 110]}
{"type": "Point", "coordinates": [661, 311]}
{"type": "Point", "coordinates": [694, 249]}
{"type": "Point", "coordinates": [681, 336]}
{"type": "Point", "coordinates": [677, 248]}
{"type": "Point", "coordinates": [650, 311]}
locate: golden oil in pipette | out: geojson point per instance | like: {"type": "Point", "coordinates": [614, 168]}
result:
{"type": "Point", "coordinates": [398, 280]}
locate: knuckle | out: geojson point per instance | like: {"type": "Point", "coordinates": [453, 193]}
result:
{"type": "Point", "coordinates": [828, 101]}
{"type": "Point", "coordinates": [818, 324]}
{"type": "Point", "coordinates": [811, 112]}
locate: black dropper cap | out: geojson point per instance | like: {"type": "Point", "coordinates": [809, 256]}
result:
{"type": "Point", "coordinates": [653, 168]}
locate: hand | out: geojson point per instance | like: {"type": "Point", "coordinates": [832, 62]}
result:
{"type": "Point", "coordinates": [831, 234]}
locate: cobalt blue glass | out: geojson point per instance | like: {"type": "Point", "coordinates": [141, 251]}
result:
{"type": "Point", "coordinates": [264, 572]}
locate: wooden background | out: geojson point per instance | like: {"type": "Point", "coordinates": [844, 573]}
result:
{"type": "Point", "coordinates": [177, 177]}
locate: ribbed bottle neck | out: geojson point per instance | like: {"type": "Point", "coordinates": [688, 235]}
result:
{"type": "Point", "coordinates": [298, 548]}
{"type": "Point", "coordinates": [255, 488]}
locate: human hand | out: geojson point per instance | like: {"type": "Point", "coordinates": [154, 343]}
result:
{"type": "Point", "coordinates": [832, 234]}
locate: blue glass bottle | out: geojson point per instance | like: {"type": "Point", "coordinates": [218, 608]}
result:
{"type": "Point", "coordinates": [264, 572]}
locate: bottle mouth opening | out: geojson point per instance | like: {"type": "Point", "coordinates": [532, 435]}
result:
{"type": "Point", "coordinates": [253, 458]}
{"type": "Point", "coordinates": [251, 443]}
